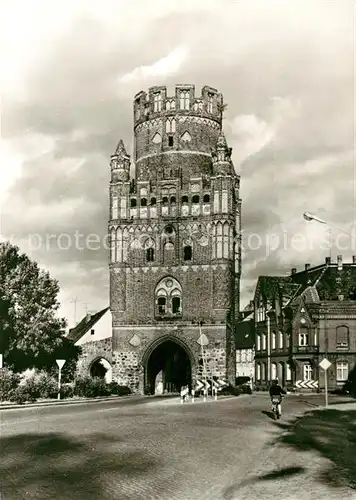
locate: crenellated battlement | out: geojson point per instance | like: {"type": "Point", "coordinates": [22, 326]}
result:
{"type": "Point", "coordinates": [157, 103]}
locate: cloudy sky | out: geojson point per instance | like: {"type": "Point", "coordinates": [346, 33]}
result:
{"type": "Point", "coordinates": [68, 76]}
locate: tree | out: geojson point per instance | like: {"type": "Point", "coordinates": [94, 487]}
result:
{"type": "Point", "coordinates": [31, 333]}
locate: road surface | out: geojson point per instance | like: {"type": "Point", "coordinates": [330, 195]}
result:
{"type": "Point", "coordinates": [147, 448]}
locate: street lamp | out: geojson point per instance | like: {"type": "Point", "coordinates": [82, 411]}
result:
{"type": "Point", "coordinates": [312, 217]}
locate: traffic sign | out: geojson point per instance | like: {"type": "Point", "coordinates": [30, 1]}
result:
{"type": "Point", "coordinates": [325, 364]}
{"type": "Point", "coordinates": [60, 363]}
{"type": "Point", "coordinates": [199, 385]}
{"type": "Point", "coordinates": [307, 384]}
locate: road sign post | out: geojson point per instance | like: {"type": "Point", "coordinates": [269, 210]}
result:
{"type": "Point", "coordinates": [325, 365]}
{"type": "Point", "coordinates": [60, 363]}
{"type": "Point", "coordinates": [1, 361]}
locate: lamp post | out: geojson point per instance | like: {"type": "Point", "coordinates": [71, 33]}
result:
{"type": "Point", "coordinates": [312, 217]}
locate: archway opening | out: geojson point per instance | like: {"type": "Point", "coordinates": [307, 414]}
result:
{"type": "Point", "coordinates": [168, 369]}
{"type": "Point", "coordinates": [101, 368]}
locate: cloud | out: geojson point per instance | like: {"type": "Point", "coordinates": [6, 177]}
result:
{"type": "Point", "coordinates": [68, 81]}
{"type": "Point", "coordinates": [168, 65]}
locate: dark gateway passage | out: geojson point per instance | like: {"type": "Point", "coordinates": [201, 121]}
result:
{"type": "Point", "coordinates": [168, 369]}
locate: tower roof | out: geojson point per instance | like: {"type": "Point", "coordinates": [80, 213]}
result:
{"type": "Point", "coordinates": [221, 142]}
{"type": "Point", "coordinates": [120, 149]}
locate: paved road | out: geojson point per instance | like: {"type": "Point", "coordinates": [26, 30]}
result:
{"type": "Point", "coordinates": [144, 448]}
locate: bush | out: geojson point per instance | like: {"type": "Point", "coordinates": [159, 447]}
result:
{"type": "Point", "coordinates": [67, 391]}
{"type": "Point", "coordinates": [231, 391]}
{"type": "Point", "coordinates": [23, 393]}
{"type": "Point", "coordinates": [242, 380]}
{"type": "Point", "coordinates": [8, 384]}
{"type": "Point", "coordinates": [119, 390]}
{"type": "Point", "coordinates": [245, 389]}
{"type": "Point", "coordinates": [88, 387]}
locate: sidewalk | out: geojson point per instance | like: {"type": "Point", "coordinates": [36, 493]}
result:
{"type": "Point", "coordinates": [37, 404]}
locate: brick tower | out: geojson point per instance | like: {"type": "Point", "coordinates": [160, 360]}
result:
{"type": "Point", "coordinates": [175, 243]}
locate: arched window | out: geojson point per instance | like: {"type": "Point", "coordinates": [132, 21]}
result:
{"type": "Point", "coordinates": [168, 297]}
{"type": "Point", "coordinates": [170, 125]}
{"type": "Point", "coordinates": [274, 371]}
{"type": "Point", "coordinates": [274, 340]}
{"type": "Point", "coordinates": [153, 201]}
{"type": "Point", "coordinates": [143, 202]}
{"type": "Point", "coordinates": [150, 254]}
{"type": "Point", "coordinates": [184, 199]}
{"type": "Point", "coordinates": [258, 375]}
{"type": "Point", "coordinates": [342, 336]}
{"type": "Point", "coordinates": [165, 200]}
{"type": "Point", "coordinates": [342, 371]}
{"type": "Point", "coordinates": [157, 102]}
{"type": "Point", "coordinates": [133, 202]}
{"type": "Point", "coordinates": [288, 372]}
{"type": "Point", "coordinates": [184, 99]}
{"type": "Point", "coordinates": [206, 198]}
{"type": "Point", "coordinates": [173, 200]}
{"type": "Point", "coordinates": [195, 199]}
{"type": "Point", "coordinates": [187, 250]}
{"type": "Point", "coordinates": [258, 347]}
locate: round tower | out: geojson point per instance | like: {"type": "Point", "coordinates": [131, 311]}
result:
{"type": "Point", "coordinates": [176, 134]}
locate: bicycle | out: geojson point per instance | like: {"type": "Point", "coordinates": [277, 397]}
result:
{"type": "Point", "coordinates": [276, 406]}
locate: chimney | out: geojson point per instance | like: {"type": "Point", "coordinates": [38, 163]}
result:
{"type": "Point", "coordinates": [354, 259]}
{"type": "Point", "coordinates": [339, 262]}
{"type": "Point", "coordinates": [327, 260]}
{"type": "Point", "coordinates": [294, 270]}
{"type": "Point", "coordinates": [307, 266]}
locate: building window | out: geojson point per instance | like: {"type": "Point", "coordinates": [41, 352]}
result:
{"type": "Point", "coordinates": [206, 198]}
{"type": "Point", "coordinates": [258, 342]}
{"type": "Point", "coordinates": [173, 200]}
{"type": "Point", "coordinates": [195, 199]}
{"type": "Point", "coordinates": [184, 99]}
{"type": "Point", "coordinates": [157, 102]}
{"type": "Point", "coordinates": [342, 336]}
{"type": "Point", "coordinates": [342, 371]}
{"type": "Point", "coordinates": [162, 305]}
{"type": "Point", "coordinates": [170, 141]}
{"type": "Point", "coordinates": [187, 252]}
{"type": "Point", "coordinates": [258, 374]}
{"type": "Point", "coordinates": [288, 372]}
{"type": "Point", "coordinates": [210, 103]}
{"type": "Point", "coordinates": [133, 203]}
{"type": "Point", "coordinates": [281, 340]}
{"type": "Point", "coordinates": [303, 339]}
{"type": "Point", "coordinates": [264, 343]}
{"type": "Point", "coordinates": [274, 371]}
{"type": "Point", "coordinates": [307, 372]}
{"type": "Point", "coordinates": [264, 371]}
{"type": "Point", "coordinates": [150, 254]}
{"type": "Point", "coordinates": [184, 199]}
{"type": "Point", "coordinates": [168, 295]}
{"type": "Point", "coordinates": [153, 201]}
{"type": "Point", "coordinates": [143, 202]}
{"type": "Point", "coordinates": [274, 338]}
{"type": "Point", "coordinates": [170, 125]}
{"type": "Point", "coordinates": [165, 200]}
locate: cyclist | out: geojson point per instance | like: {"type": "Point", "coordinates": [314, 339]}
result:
{"type": "Point", "coordinates": [276, 392]}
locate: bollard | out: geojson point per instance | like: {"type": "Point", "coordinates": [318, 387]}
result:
{"type": "Point", "coordinates": [204, 395]}
{"type": "Point", "coordinates": [216, 394]}
{"type": "Point", "coordinates": [181, 397]}
{"type": "Point", "coordinates": [193, 395]}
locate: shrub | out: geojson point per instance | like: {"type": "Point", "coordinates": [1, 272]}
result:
{"type": "Point", "coordinates": [230, 390]}
{"type": "Point", "coordinates": [245, 389]}
{"type": "Point", "coordinates": [8, 384]}
{"type": "Point", "coordinates": [23, 393]}
{"type": "Point", "coordinates": [119, 390]}
{"type": "Point", "coordinates": [242, 380]}
{"type": "Point", "coordinates": [67, 391]}
{"type": "Point", "coordinates": [91, 387]}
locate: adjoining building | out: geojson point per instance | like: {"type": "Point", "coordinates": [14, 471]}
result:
{"type": "Point", "coordinates": [245, 347]}
{"type": "Point", "coordinates": [303, 318]}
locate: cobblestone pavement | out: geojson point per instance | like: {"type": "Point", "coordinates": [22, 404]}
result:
{"type": "Point", "coordinates": [161, 449]}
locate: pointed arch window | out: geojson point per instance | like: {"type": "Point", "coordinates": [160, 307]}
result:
{"type": "Point", "coordinates": [170, 125]}
{"type": "Point", "coordinates": [188, 252]}
{"type": "Point", "coordinates": [157, 102]}
{"type": "Point", "coordinates": [210, 102]}
{"type": "Point", "coordinates": [113, 245]}
{"type": "Point", "coordinates": [168, 298]}
{"type": "Point", "coordinates": [226, 241]}
{"type": "Point", "coordinates": [219, 241]}
{"type": "Point", "coordinates": [184, 99]}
